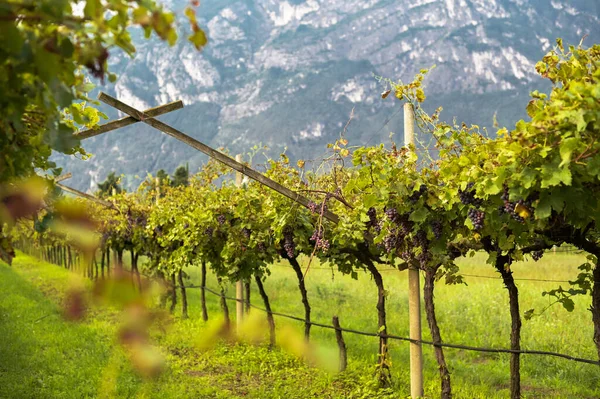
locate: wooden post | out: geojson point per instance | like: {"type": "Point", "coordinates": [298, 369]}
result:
{"type": "Point", "coordinates": [157, 180]}
{"type": "Point", "coordinates": [414, 289]}
{"type": "Point", "coordinates": [341, 344]}
{"type": "Point", "coordinates": [108, 261]}
{"type": "Point", "coordinates": [203, 291]}
{"type": "Point", "coordinates": [239, 285]}
{"type": "Point", "coordinates": [84, 195]}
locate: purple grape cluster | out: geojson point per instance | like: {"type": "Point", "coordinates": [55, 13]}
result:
{"type": "Point", "coordinates": [372, 214]}
{"type": "Point", "coordinates": [509, 207]}
{"type": "Point", "coordinates": [141, 220]}
{"type": "Point", "coordinates": [317, 234]}
{"type": "Point", "coordinates": [406, 226]}
{"type": "Point", "coordinates": [312, 206]}
{"type": "Point", "coordinates": [262, 247]}
{"type": "Point", "coordinates": [407, 256]}
{"type": "Point", "coordinates": [537, 255]}
{"type": "Point", "coordinates": [397, 235]}
{"type": "Point", "coordinates": [501, 210]}
{"type": "Point", "coordinates": [378, 227]}
{"type": "Point", "coordinates": [209, 231]}
{"type": "Point", "coordinates": [467, 197]}
{"type": "Point", "coordinates": [437, 228]}
{"type": "Point", "coordinates": [391, 241]}
{"type": "Point", "coordinates": [323, 244]}
{"type": "Point", "coordinates": [392, 214]}
{"type": "Point", "coordinates": [246, 232]}
{"type": "Point", "coordinates": [420, 240]}
{"type": "Point", "coordinates": [505, 194]}
{"type": "Point", "coordinates": [477, 217]}
{"type": "Point", "coordinates": [221, 219]}
{"type": "Point", "coordinates": [414, 197]}
{"type": "Point", "coordinates": [424, 258]}
{"type": "Point", "coordinates": [288, 243]}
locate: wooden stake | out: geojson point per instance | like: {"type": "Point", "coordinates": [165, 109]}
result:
{"type": "Point", "coordinates": [203, 291]}
{"type": "Point", "coordinates": [63, 177]}
{"type": "Point", "coordinates": [239, 285]}
{"type": "Point", "coordinates": [414, 289]}
{"type": "Point", "coordinates": [84, 195]}
{"type": "Point", "coordinates": [341, 344]}
{"type": "Point", "coordinates": [157, 180]}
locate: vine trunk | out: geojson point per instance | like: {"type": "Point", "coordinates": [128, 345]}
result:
{"type": "Point", "coordinates": [270, 319]}
{"type": "Point", "coordinates": [184, 303]}
{"type": "Point", "coordinates": [436, 336]}
{"type": "Point", "coordinates": [304, 293]}
{"type": "Point", "coordinates": [384, 370]}
{"type": "Point", "coordinates": [203, 292]}
{"type": "Point", "coordinates": [595, 308]}
{"type": "Point", "coordinates": [502, 265]}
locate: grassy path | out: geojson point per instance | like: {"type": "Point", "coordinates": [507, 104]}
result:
{"type": "Point", "coordinates": [44, 356]}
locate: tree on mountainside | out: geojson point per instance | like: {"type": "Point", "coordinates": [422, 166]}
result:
{"type": "Point", "coordinates": [112, 183]}
{"type": "Point", "coordinates": [163, 177]}
{"type": "Point", "coordinates": [181, 177]}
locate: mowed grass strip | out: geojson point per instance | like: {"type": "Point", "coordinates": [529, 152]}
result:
{"type": "Point", "coordinates": [44, 356]}
{"type": "Point", "coordinates": [476, 314]}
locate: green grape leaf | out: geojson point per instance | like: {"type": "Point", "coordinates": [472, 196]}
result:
{"type": "Point", "coordinates": [419, 214]}
{"type": "Point", "coordinates": [567, 146]}
{"type": "Point", "coordinates": [553, 176]}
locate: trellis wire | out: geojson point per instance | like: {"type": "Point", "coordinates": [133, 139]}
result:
{"type": "Point", "coordinates": [406, 339]}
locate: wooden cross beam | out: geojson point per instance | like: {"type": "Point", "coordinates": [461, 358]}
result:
{"type": "Point", "coordinates": [107, 127]}
{"type": "Point", "coordinates": [63, 177]}
{"type": "Point", "coordinates": [84, 195]}
{"type": "Point", "coordinates": [251, 173]}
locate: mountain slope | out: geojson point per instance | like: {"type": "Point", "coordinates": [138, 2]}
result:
{"type": "Point", "coordinates": [287, 74]}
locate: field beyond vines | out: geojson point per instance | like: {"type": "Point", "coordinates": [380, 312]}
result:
{"type": "Point", "coordinates": [44, 356]}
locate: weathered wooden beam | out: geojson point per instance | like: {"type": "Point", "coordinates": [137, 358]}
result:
{"type": "Point", "coordinates": [84, 195]}
{"type": "Point", "coordinates": [251, 173]}
{"type": "Point", "coordinates": [107, 127]}
{"type": "Point", "coordinates": [63, 177]}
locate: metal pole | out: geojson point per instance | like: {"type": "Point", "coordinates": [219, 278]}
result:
{"type": "Point", "coordinates": [239, 285]}
{"type": "Point", "coordinates": [414, 289]}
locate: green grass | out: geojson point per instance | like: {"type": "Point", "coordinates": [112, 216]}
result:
{"type": "Point", "coordinates": [44, 356]}
{"type": "Point", "coordinates": [476, 315]}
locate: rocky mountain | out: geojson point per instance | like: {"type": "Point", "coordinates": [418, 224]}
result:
{"type": "Point", "coordinates": [287, 74]}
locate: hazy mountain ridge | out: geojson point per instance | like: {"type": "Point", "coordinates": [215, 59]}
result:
{"type": "Point", "coordinates": [288, 73]}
